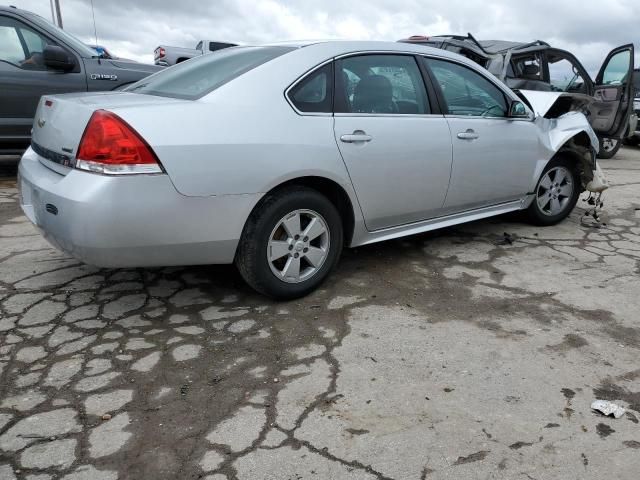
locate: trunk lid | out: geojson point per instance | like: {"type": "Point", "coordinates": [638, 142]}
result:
{"type": "Point", "coordinates": [60, 121]}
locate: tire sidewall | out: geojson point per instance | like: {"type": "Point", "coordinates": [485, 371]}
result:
{"type": "Point", "coordinates": [306, 199]}
{"type": "Point", "coordinates": [610, 154]}
{"type": "Point", "coordinates": [536, 213]}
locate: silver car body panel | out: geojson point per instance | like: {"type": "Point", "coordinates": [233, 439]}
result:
{"type": "Point", "coordinates": [223, 152]}
{"type": "Point", "coordinates": [136, 220]}
{"type": "Point", "coordinates": [416, 191]}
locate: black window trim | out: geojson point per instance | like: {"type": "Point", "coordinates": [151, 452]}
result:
{"type": "Point", "coordinates": [508, 96]}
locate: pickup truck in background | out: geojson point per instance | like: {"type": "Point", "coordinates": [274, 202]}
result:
{"type": "Point", "coordinates": [166, 56]}
{"type": "Point", "coordinates": [37, 58]}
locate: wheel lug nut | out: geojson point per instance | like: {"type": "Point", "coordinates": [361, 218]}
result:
{"type": "Point", "coordinates": [305, 249]}
{"type": "Point", "coordinates": [290, 247]}
{"type": "Point", "coordinates": [297, 237]}
{"type": "Point", "coordinates": [296, 255]}
{"type": "Point", "coordinates": [305, 239]}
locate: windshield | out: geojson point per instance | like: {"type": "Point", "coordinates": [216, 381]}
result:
{"type": "Point", "coordinates": [67, 38]}
{"type": "Point", "coordinates": [196, 77]}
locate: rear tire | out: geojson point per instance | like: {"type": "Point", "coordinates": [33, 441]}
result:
{"type": "Point", "coordinates": [290, 243]}
{"type": "Point", "coordinates": [556, 193]}
{"type": "Point", "coordinates": [608, 148]}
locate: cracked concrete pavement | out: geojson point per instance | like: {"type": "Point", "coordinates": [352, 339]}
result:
{"type": "Point", "coordinates": [458, 354]}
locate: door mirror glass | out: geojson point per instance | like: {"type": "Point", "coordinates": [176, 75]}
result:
{"type": "Point", "coordinates": [616, 71]}
{"type": "Point", "coordinates": [57, 58]}
{"type": "Point", "coordinates": [518, 110]}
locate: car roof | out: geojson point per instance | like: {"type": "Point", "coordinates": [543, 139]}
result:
{"type": "Point", "coordinates": [487, 47]}
{"type": "Point", "coordinates": [347, 46]}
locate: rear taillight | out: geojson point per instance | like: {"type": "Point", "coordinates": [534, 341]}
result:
{"type": "Point", "coordinates": [161, 52]}
{"type": "Point", "coordinates": [109, 145]}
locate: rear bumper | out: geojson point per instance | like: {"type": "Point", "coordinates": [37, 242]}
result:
{"type": "Point", "coordinates": [133, 221]}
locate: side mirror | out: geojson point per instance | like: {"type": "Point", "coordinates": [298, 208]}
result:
{"type": "Point", "coordinates": [57, 58]}
{"type": "Point", "coordinates": [518, 110]}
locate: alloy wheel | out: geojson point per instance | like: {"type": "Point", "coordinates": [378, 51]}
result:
{"type": "Point", "coordinates": [555, 191]}
{"type": "Point", "coordinates": [298, 246]}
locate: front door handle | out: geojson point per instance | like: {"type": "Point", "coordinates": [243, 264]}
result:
{"type": "Point", "coordinates": [355, 137]}
{"type": "Point", "coordinates": [470, 134]}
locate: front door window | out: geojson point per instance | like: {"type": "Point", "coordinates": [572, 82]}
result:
{"type": "Point", "coordinates": [617, 69]}
{"type": "Point", "coordinates": [564, 76]}
{"type": "Point", "coordinates": [466, 92]}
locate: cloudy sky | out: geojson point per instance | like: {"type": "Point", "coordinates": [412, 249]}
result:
{"type": "Point", "coordinates": [133, 28]}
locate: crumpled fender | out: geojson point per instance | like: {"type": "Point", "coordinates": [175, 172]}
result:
{"type": "Point", "coordinates": [560, 134]}
{"type": "Point", "coordinates": [560, 119]}
{"type": "Point", "coordinates": [562, 129]}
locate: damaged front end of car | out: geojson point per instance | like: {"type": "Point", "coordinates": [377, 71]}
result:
{"type": "Point", "coordinates": [562, 117]}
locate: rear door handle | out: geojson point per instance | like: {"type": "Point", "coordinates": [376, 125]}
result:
{"type": "Point", "coordinates": [355, 137]}
{"type": "Point", "coordinates": [470, 134]}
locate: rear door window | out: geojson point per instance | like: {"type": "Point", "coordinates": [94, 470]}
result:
{"type": "Point", "coordinates": [528, 67]}
{"type": "Point", "coordinates": [199, 76]}
{"type": "Point", "coordinates": [380, 84]}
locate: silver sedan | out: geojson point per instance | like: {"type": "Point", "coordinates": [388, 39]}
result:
{"type": "Point", "coordinates": [274, 157]}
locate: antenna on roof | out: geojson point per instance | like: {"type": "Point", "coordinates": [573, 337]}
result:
{"type": "Point", "coordinates": [53, 13]}
{"type": "Point", "coordinates": [95, 31]}
{"type": "Point", "coordinates": [58, 12]}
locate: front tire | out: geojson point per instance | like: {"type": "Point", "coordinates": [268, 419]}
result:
{"type": "Point", "coordinates": [609, 147]}
{"type": "Point", "coordinates": [290, 243]}
{"type": "Point", "coordinates": [556, 193]}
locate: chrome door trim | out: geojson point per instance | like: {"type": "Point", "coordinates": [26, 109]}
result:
{"type": "Point", "coordinates": [389, 115]}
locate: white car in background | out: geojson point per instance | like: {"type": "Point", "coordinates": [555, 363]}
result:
{"type": "Point", "coordinates": [275, 157]}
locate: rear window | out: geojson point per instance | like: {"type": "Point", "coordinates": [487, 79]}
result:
{"type": "Point", "coordinates": [197, 77]}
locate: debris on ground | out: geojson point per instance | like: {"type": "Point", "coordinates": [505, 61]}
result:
{"type": "Point", "coordinates": [597, 204]}
{"type": "Point", "coordinates": [608, 408]}
{"type": "Point", "coordinates": [507, 239]}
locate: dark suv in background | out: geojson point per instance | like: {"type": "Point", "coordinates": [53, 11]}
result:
{"type": "Point", "coordinates": [38, 58]}
{"type": "Point", "coordinates": [539, 66]}
{"type": "Point", "coordinates": [634, 136]}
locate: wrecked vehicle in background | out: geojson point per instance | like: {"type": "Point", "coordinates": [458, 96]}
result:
{"type": "Point", "coordinates": [539, 66]}
{"type": "Point", "coordinates": [634, 135]}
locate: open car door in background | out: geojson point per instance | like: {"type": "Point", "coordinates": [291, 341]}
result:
{"type": "Point", "coordinates": [614, 93]}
